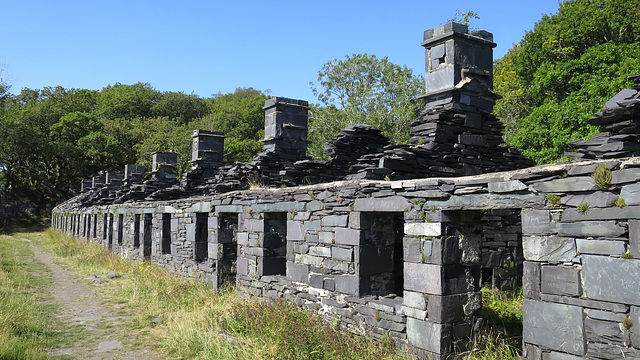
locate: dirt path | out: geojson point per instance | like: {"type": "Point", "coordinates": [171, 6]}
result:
{"type": "Point", "coordinates": [80, 305]}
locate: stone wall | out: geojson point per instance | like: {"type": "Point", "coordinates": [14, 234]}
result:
{"type": "Point", "coordinates": [406, 258]}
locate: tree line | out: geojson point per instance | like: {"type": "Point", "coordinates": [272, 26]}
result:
{"type": "Point", "coordinates": [552, 81]}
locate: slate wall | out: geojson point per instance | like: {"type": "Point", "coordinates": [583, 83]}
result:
{"type": "Point", "coordinates": [406, 258]}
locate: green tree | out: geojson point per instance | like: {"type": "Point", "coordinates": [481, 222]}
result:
{"type": "Point", "coordinates": [180, 107]}
{"type": "Point", "coordinates": [364, 89]}
{"type": "Point", "coordinates": [565, 70]}
{"type": "Point", "coordinates": [239, 115]}
{"type": "Point", "coordinates": [127, 101]}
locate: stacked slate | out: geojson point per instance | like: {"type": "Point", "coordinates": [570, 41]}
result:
{"type": "Point", "coordinates": [351, 144]}
{"type": "Point", "coordinates": [619, 123]}
{"type": "Point", "coordinates": [456, 138]}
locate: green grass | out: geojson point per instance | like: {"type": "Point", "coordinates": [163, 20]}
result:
{"type": "Point", "coordinates": [198, 322]}
{"type": "Point", "coordinates": [27, 326]}
{"type": "Point", "coordinates": [501, 335]}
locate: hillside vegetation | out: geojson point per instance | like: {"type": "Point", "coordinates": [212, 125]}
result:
{"type": "Point", "coordinates": [563, 71]}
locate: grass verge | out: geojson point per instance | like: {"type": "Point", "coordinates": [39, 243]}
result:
{"type": "Point", "coordinates": [187, 319]}
{"type": "Point", "coordinates": [27, 326]}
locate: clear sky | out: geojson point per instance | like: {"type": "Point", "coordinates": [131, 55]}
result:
{"type": "Point", "coordinates": [206, 47]}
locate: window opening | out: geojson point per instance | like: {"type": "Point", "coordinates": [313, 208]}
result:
{"type": "Point", "coordinates": [381, 256]}
{"type": "Point", "coordinates": [275, 244]}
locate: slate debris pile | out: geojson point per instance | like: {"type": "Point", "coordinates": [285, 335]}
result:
{"type": "Point", "coordinates": [619, 123]}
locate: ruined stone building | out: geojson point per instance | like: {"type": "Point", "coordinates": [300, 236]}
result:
{"type": "Point", "coordinates": [403, 257]}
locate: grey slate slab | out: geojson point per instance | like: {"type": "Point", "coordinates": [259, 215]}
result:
{"type": "Point", "coordinates": [561, 280]}
{"type": "Point", "coordinates": [590, 228]}
{"type": "Point", "coordinates": [555, 326]}
{"type": "Point", "coordinates": [425, 278]}
{"type": "Point", "coordinates": [569, 184]}
{"type": "Point", "coordinates": [600, 247]}
{"type": "Point", "coordinates": [429, 336]}
{"type": "Point", "coordinates": [548, 248]}
{"type": "Point", "coordinates": [611, 279]}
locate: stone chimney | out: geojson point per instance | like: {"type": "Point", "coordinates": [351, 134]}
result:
{"type": "Point", "coordinates": [98, 180]}
{"type": "Point", "coordinates": [164, 166]}
{"type": "Point", "coordinates": [454, 60]}
{"type": "Point", "coordinates": [134, 173]}
{"type": "Point", "coordinates": [285, 127]}
{"type": "Point", "coordinates": [207, 151]}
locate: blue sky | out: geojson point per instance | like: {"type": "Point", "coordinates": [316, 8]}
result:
{"type": "Point", "coordinates": [206, 47]}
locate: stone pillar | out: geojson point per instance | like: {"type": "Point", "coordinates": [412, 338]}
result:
{"type": "Point", "coordinates": [285, 127]}
{"type": "Point", "coordinates": [207, 151]}
{"type": "Point", "coordinates": [114, 179]}
{"type": "Point", "coordinates": [453, 58]}
{"type": "Point", "coordinates": [98, 180]}
{"type": "Point", "coordinates": [134, 173]}
{"type": "Point", "coordinates": [164, 165]}
{"type": "Point", "coordinates": [442, 282]}
{"type": "Point", "coordinates": [86, 185]}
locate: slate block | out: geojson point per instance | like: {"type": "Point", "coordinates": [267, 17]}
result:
{"type": "Point", "coordinates": [228, 208]}
{"type": "Point", "coordinates": [554, 326]}
{"type": "Point", "coordinates": [611, 352]}
{"type": "Point", "coordinates": [596, 199]}
{"type": "Point", "coordinates": [254, 225]}
{"type": "Point", "coordinates": [451, 308]}
{"type": "Point", "coordinates": [634, 237]}
{"type": "Point", "coordinates": [329, 284]}
{"type": "Point", "coordinates": [295, 231]}
{"type": "Point", "coordinates": [335, 220]}
{"type": "Point", "coordinates": [590, 229]}
{"type": "Point", "coordinates": [569, 184]}
{"type": "Point", "coordinates": [346, 236]}
{"type": "Point", "coordinates": [531, 280]}
{"type": "Point", "coordinates": [191, 232]}
{"type": "Point", "coordinates": [507, 186]}
{"type": "Point", "coordinates": [283, 206]}
{"type": "Point", "coordinates": [600, 247]}
{"type": "Point", "coordinates": [423, 229]}
{"type": "Point", "coordinates": [424, 278]}
{"type": "Point", "coordinates": [347, 284]}
{"type": "Point", "coordinates": [326, 237]}
{"type": "Point", "coordinates": [386, 204]}
{"type": "Point", "coordinates": [625, 176]}
{"type": "Point", "coordinates": [611, 279]}
{"type": "Point", "coordinates": [323, 251]}
{"type": "Point", "coordinates": [488, 201]}
{"type": "Point", "coordinates": [411, 249]}
{"type": "Point", "coordinates": [536, 222]}
{"type": "Point", "coordinates": [342, 254]}
{"type": "Point", "coordinates": [242, 238]}
{"type": "Point", "coordinates": [298, 272]}
{"type": "Point", "coordinates": [548, 248]}
{"type": "Point", "coordinates": [429, 336]}
{"type": "Point", "coordinates": [312, 225]}
{"type": "Point", "coordinates": [631, 194]}
{"type": "Point", "coordinates": [560, 280]}
{"type": "Point", "coordinates": [460, 279]}
{"type": "Point", "coordinates": [242, 266]}
{"type": "Point", "coordinates": [634, 316]}
{"type": "Point", "coordinates": [603, 331]}
{"type": "Point", "coordinates": [605, 315]}
{"type": "Point", "coordinates": [415, 300]}
{"type": "Point", "coordinates": [610, 213]}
